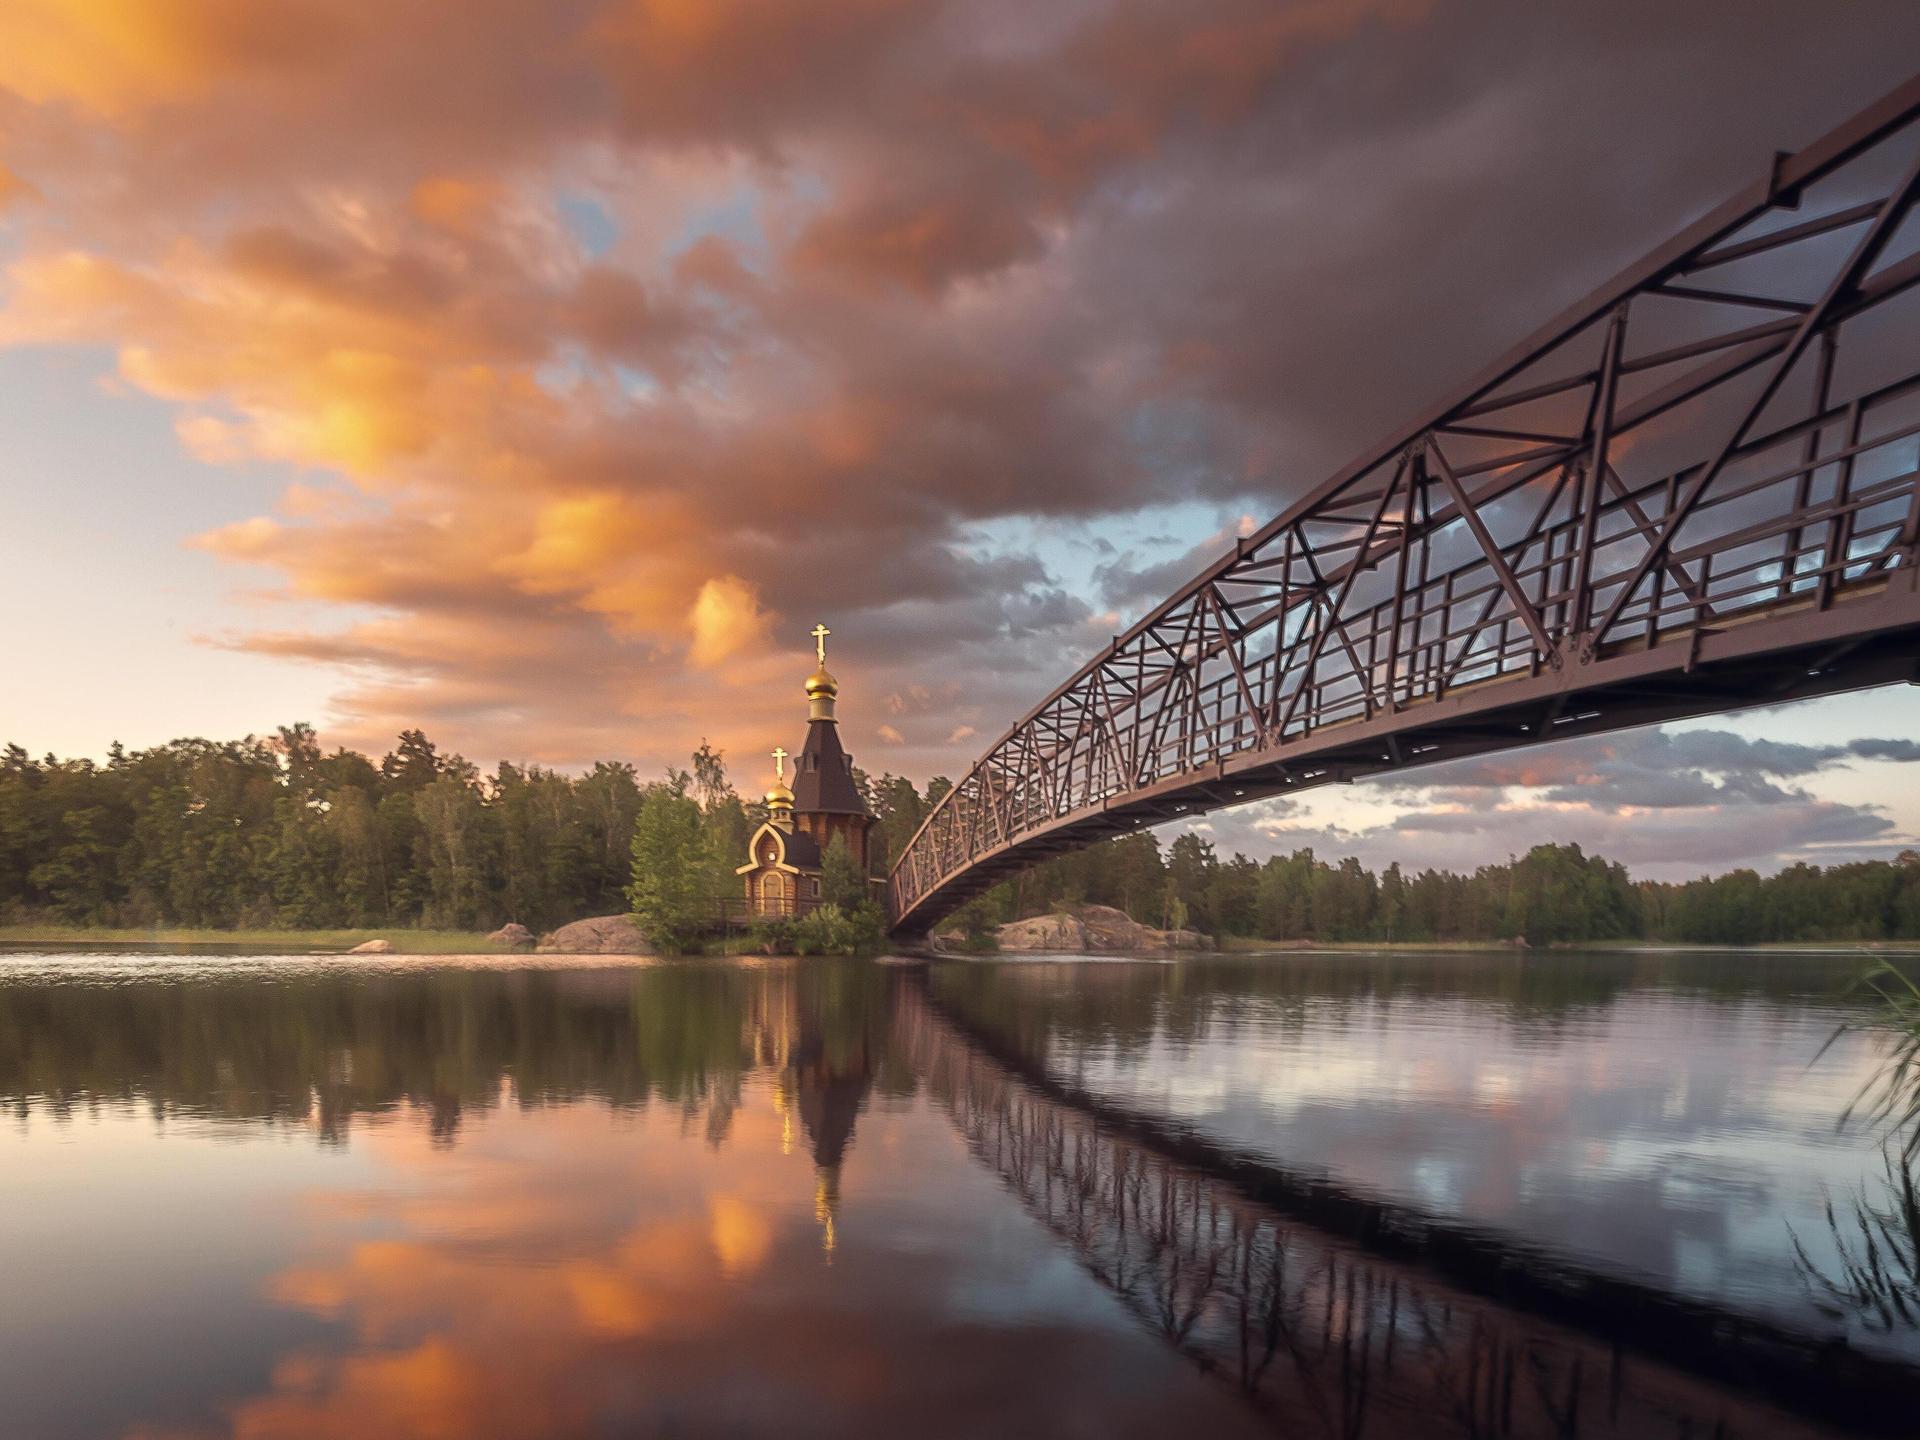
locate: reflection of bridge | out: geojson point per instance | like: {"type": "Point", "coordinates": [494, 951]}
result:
{"type": "Point", "coordinates": [1685, 494]}
{"type": "Point", "coordinates": [1324, 1334]}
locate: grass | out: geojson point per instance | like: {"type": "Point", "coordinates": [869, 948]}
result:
{"type": "Point", "coordinates": [1891, 1098]}
{"type": "Point", "coordinates": [1878, 1247]}
{"type": "Point", "coordinates": [405, 942]}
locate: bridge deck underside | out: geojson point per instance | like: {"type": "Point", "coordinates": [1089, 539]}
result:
{"type": "Point", "coordinates": [1658, 506]}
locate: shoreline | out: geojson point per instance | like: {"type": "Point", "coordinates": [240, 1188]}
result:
{"type": "Point", "coordinates": [321, 942]}
{"type": "Point", "coordinates": [1242, 945]}
{"type": "Point", "coordinates": [464, 942]}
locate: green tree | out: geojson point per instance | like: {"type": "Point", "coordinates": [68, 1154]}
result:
{"type": "Point", "coordinates": [1190, 871]}
{"type": "Point", "coordinates": [669, 870]}
{"type": "Point", "coordinates": [453, 829]}
{"type": "Point", "coordinates": [899, 811]}
{"type": "Point", "coordinates": [841, 882]}
{"type": "Point", "coordinates": [413, 764]}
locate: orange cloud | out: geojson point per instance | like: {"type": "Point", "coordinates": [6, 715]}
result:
{"type": "Point", "coordinates": [114, 56]}
{"type": "Point", "coordinates": [727, 619]}
{"type": "Point", "coordinates": [12, 188]}
{"type": "Point", "coordinates": [456, 204]}
{"type": "Point", "coordinates": [634, 325]}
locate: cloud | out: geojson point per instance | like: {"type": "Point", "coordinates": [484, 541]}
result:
{"type": "Point", "coordinates": [1668, 804]}
{"type": "Point", "coordinates": [727, 619]}
{"type": "Point", "coordinates": [1904, 751]}
{"type": "Point", "coordinates": [1654, 769]}
{"type": "Point", "coordinates": [864, 277]}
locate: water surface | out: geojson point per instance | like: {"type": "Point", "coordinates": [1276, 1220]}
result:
{"type": "Point", "coordinates": [1664, 1117]}
{"type": "Point", "coordinates": [281, 1196]}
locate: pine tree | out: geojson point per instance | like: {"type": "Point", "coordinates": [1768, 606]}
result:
{"type": "Point", "coordinates": [841, 882]}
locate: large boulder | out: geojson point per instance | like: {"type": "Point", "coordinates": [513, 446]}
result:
{"type": "Point", "coordinates": [1058, 931]}
{"type": "Point", "coordinates": [372, 947]}
{"type": "Point", "coordinates": [513, 934]}
{"type": "Point", "coordinates": [602, 935]}
{"type": "Point", "coordinates": [1094, 929]}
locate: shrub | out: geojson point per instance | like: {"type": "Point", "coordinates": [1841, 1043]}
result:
{"type": "Point", "coordinates": [830, 930]}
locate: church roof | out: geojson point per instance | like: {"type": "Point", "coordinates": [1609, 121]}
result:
{"type": "Point", "coordinates": [797, 848]}
{"type": "Point", "coordinates": [803, 851]}
{"type": "Point", "coordinates": [823, 777]}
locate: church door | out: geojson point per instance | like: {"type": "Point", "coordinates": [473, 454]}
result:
{"type": "Point", "coordinates": [773, 893]}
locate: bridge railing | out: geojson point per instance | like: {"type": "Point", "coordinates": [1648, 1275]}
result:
{"type": "Point", "coordinates": [1652, 466]}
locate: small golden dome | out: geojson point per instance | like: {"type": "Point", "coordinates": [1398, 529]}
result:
{"type": "Point", "coordinates": [821, 682]}
{"type": "Point", "coordinates": [779, 796]}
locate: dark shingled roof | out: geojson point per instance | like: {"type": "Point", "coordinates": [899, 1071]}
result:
{"type": "Point", "coordinates": [823, 779]}
{"type": "Point", "coordinates": [802, 850]}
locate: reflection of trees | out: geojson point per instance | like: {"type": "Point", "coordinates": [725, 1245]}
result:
{"type": "Point", "coordinates": [1128, 1004]}
{"type": "Point", "coordinates": [319, 1049]}
{"type": "Point", "coordinates": [1313, 1330]}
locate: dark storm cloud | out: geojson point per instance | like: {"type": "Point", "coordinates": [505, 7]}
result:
{"type": "Point", "coordinates": [1902, 750]}
{"type": "Point", "coordinates": [1667, 804]}
{"type": "Point", "coordinates": [1684, 843]}
{"type": "Point", "coordinates": [1652, 769]}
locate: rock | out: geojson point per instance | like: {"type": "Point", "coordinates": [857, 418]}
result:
{"type": "Point", "coordinates": [602, 935]}
{"type": "Point", "coordinates": [1093, 929]}
{"type": "Point", "coordinates": [1043, 932]}
{"type": "Point", "coordinates": [512, 933]}
{"type": "Point", "coordinates": [372, 947]}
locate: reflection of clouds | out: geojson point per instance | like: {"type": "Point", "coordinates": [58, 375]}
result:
{"type": "Point", "coordinates": [1662, 1134]}
{"type": "Point", "coordinates": [507, 1266]}
{"type": "Point", "coordinates": [555, 1275]}
{"type": "Point", "coordinates": [741, 1236]}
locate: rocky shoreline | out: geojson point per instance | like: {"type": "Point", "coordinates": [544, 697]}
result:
{"type": "Point", "coordinates": [1093, 929]}
{"type": "Point", "coordinates": [600, 935]}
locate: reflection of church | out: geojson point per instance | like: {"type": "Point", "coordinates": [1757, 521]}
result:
{"type": "Point", "coordinates": [784, 856]}
{"type": "Point", "coordinates": [821, 1030]}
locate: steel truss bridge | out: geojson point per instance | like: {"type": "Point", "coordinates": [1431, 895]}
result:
{"type": "Point", "coordinates": [1695, 490]}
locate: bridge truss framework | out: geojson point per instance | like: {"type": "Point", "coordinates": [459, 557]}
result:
{"type": "Point", "coordinates": [1696, 490]}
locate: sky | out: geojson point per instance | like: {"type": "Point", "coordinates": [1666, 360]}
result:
{"type": "Point", "coordinates": [540, 374]}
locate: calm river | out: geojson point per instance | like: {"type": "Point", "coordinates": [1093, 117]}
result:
{"type": "Point", "coordinates": [1306, 1194]}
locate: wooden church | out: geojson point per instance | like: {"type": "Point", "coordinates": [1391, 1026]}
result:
{"type": "Point", "coordinates": [782, 873]}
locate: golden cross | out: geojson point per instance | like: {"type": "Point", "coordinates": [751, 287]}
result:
{"type": "Point", "coordinates": [779, 763]}
{"type": "Point", "coordinates": [820, 633]}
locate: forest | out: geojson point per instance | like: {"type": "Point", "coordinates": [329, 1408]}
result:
{"type": "Point", "coordinates": [275, 832]}
{"type": "Point", "coordinates": [1554, 894]}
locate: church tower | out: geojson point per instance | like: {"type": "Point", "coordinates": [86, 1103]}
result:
{"type": "Point", "coordinates": [826, 802]}
{"type": "Point", "coordinates": [785, 855]}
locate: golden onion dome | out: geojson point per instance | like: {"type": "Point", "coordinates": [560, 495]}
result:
{"type": "Point", "coordinates": [821, 682]}
{"type": "Point", "coordinates": [779, 796]}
